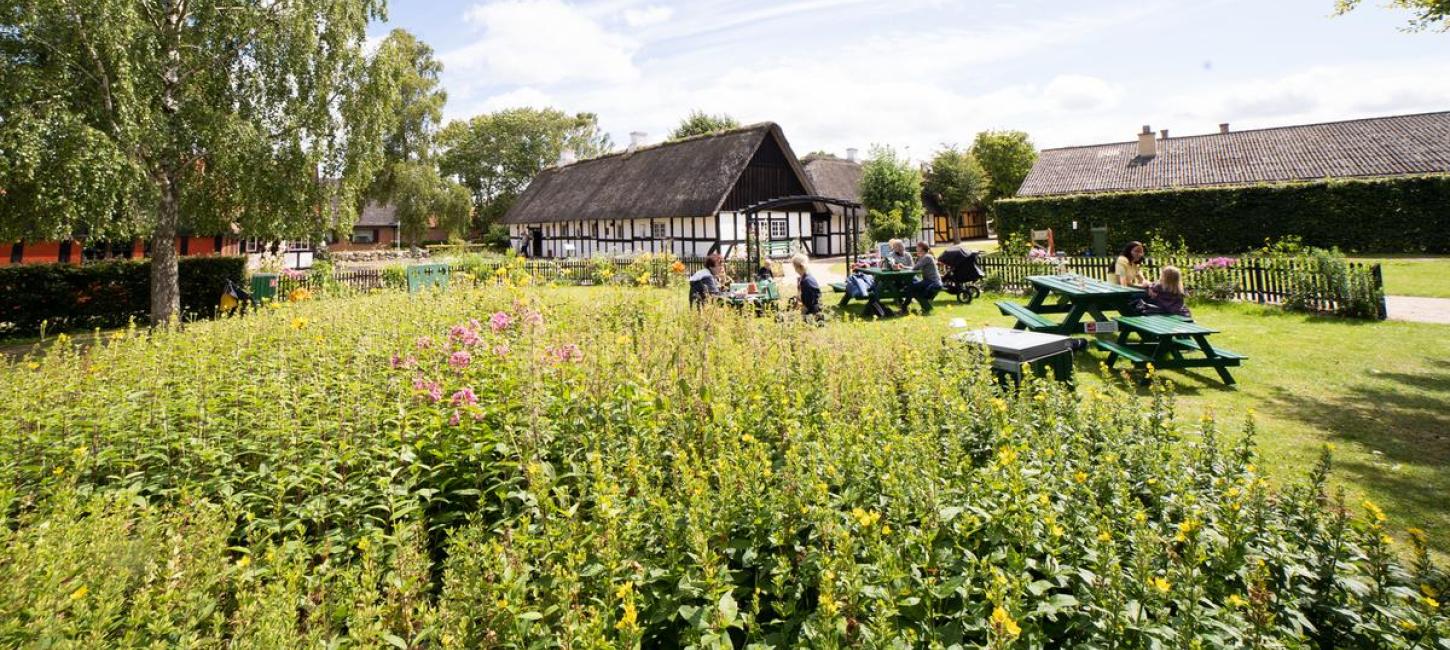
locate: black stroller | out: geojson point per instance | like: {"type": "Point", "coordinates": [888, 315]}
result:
{"type": "Point", "coordinates": [963, 274]}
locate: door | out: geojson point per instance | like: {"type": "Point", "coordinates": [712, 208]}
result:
{"type": "Point", "coordinates": [536, 236]}
{"type": "Point", "coordinates": [821, 235]}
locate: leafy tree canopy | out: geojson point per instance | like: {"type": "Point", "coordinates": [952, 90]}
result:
{"type": "Point", "coordinates": [1006, 157]}
{"type": "Point", "coordinates": [891, 193]}
{"type": "Point", "coordinates": [410, 178]}
{"type": "Point", "coordinates": [496, 155]}
{"type": "Point", "coordinates": [702, 123]}
{"type": "Point", "coordinates": [957, 180]}
{"type": "Point", "coordinates": [1429, 14]}
{"type": "Point", "coordinates": [125, 118]}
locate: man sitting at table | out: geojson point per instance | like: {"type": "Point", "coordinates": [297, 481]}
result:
{"type": "Point", "coordinates": [896, 255]}
{"type": "Point", "coordinates": [925, 289]}
{"type": "Point", "coordinates": [705, 283]}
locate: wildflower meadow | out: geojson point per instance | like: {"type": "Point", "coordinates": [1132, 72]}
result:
{"type": "Point", "coordinates": [604, 467]}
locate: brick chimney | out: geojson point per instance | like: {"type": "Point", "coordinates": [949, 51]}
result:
{"type": "Point", "coordinates": [1223, 128]}
{"type": "Point", "coordinates": [1147, 144]}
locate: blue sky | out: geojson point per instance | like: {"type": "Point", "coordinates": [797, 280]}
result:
{"type": "Point", "coordinates": [917, 74]}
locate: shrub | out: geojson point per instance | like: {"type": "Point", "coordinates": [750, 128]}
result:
{"type": "Point", "coordinates": [1212, 281]}
{"type": "Point", "coordinates": [510, 468]}
{"type": "Point", "coordinates": [1367, 216]}
{"type": "Point", "coordinates": [104, 294]}
{"type": "Point", "coordinates": [1322, 277]}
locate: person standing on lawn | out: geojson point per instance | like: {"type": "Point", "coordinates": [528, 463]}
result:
{"type": "Point", "coordinates": [925, 289]}
{"type": "Point", "coordinates": [1128, 270]}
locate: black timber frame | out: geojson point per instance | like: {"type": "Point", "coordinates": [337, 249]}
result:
{"type": "Point", "coordinates": [850, 213]}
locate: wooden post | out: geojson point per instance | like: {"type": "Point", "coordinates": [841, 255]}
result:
{"type": "Point", "coordinates": [1377, 273]}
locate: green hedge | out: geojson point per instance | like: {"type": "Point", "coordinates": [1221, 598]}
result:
{"type": "Point", "coordinates": [1402, 215]}
{"type": "Point", "coordinates": [103, 294]}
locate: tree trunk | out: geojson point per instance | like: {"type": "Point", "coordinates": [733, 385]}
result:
{"type": "Point", "coordinates": [165, 278]}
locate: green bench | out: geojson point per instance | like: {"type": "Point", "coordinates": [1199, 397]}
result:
{"type": "Point", "coordinates": [1026, 318]}
{"type": "Point", "coordinates": [774, 249]}
{"type": "Point", "coordinates": [1118, 350]}
{"type": "Point", "coordinates": [1162, 340]}
{"type": "Point", "coordinates": [1233, 357]}
{"type": "Point", "coordinates": [838, 287]}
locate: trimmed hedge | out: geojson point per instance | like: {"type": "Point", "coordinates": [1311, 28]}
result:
{"type": "Point", "coordinates": [104, 294]}
{"type": "Point", "coordinates": [1401, 215]}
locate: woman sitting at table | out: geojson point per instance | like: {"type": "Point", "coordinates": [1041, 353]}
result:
{"type": "Point", "coordinates": [925, 289]}
{"type": "Point", "coordinates": [705, 284]}
{"type": "Point", "coordinates": [1128, 270]}
{"type": "Point", "coordinates": [807, 287]}
{"type": "Point", "coordinates": [896, 256]}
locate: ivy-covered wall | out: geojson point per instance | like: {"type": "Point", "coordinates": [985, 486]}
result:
{"type": "Point", "coordinates": [1400, 215]}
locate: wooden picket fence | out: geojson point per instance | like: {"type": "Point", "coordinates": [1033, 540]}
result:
{"type": "Point", "coordinates": [1304, 283]}
{"type": "Point", "coordinates": [659, 272]}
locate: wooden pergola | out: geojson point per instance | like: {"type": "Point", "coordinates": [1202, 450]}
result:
{"type": "Point", "coordinates": [851, 214]}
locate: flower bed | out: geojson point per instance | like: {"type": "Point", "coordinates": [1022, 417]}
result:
{"type": "Point", "coordinates": [509, 467]}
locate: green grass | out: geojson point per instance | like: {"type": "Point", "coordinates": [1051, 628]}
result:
{"type": "Point", "coordinates": [1411, 276]}
{"type": "Point", "coordinates": [1378, 391]}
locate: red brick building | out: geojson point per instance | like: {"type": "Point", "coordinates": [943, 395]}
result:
{"type": "Point", "coordinates": [78, 251]}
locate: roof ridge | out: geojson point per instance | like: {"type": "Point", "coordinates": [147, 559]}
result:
{"type": "Point", "coordinates": [758, 126]}
{"type": "Point", "coordinates": [1259, 130]}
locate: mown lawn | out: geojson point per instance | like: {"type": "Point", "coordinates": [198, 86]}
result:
{"type": "Point", "coordinates": [1378, 391]}
{"type": "Point", "coordinates": [1412, 276]}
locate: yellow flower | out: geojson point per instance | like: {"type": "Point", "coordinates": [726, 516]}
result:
{"type": "Point", "coordinates": [363, 544]}
{"type": "Point", "coordinates": [1428, 591]}
{"type": "Point", "coordinates": [1006, 456]}
{"type": "Point", "coordinates": [1374, 510]}
{"type": "Point", "coordinates": [1234, 600]}
{"type": "Point", "coordinates": [1043, 499]}
{"type": "Point", "coordinates": [1002, 622]}
{"type": "Point", "coordinates": [244, 561]}
{"type": "Point", "coordinates": [885, 530]}
{"type": "Point", "coordinates": [1430, 602]}
{"type": "Point", "coordinates": [299, 323]}
{"type": "Point", "coordinates": [1057, 530]}
{"type": "Point", "coordinates": [58, 470]}
{"type": "Point", "coordinates": [1140, 517]}
{"type": "Point", "coordinates": [79, 593]}
{"type": "Point", "coordinates": [747, 438]}
{"type": "Point", "coordinates": [1105, 537]}
{"type": "Point", "coordinates": [999, 404]}
{"type": "Point", "coordinates": [1408, 625]}
{"type": "Point", "coordinates": [33, 365]}
{"type": "Point", "coordinates": [1080, 477]}
{"type": "Point", "coordinates": [1160, 583]}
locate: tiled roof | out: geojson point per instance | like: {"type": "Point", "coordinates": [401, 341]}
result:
{"type": "Point", "coordinates": [378, 215]}
{"type": "Point", "coordinates": [1385, 146]}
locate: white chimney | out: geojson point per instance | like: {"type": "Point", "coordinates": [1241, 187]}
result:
{"type": "Point", "coordinates": [1223, 128]}
{"type": "Point", "coordinates": [1147, 144]}
{"type": "Point", "coordinates": [636, 139]}
{"type": "Point", "coordinates": [568, 157]}
{"type": "Point", "coordinates": [851, 154]}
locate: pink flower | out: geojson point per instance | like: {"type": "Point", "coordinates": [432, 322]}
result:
{"type": "Point", "coordinates": [293, 274]}
{"type": "Point", "coordinates": [425, 342]}
{"type": "Point", "coordinates": [409, 361]}
{"type": "Point", "coordinates": [460, 359]}
{"type": "Point", "coordinates": [464, 397]}
{"type": "Point", "coordinates": [501, 350]}
{"type": "Point", "coordinates": [533, 318]}
{"type": "Point", "coordinates": [473, 322]}
{"type": "Point", "coordinates": [566, 352]}
{"type": "Point", "coordinates": [454, 420]}
{"type": "Point", "coordinates": [397, 361]}
{"type": "Point", "coordinates": [464, 335]}
{"type": "Point", "coordinates": [429, 390]}
{"type": "Point", "coordinates": [500, 321]}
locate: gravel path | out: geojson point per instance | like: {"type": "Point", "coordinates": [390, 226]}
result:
{"type": "Point", "coordinates": [1419, 310]}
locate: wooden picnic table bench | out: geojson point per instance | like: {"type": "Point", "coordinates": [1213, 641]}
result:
{"type": "Point", "coordinates": [1078, 296]}
{"type": "Point", "coordinates": [890, 286]}
{"type": "Point", "coordinates": [1163, 340]}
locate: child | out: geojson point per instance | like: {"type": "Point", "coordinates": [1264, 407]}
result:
{"type": "Point", "coordinates": [1166, 297]}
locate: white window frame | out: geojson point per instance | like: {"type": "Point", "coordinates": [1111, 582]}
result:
{"type": "Point", "coordinates": [783, 232]}
{"type": "Point", "coordinates": [363, 237]}
{"type": "Point", "coordinates": [658, 230]}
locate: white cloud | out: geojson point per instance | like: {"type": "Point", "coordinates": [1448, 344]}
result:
{"type": "Point", "coordinates": [520, 98]}
{"type": "Point", "coordinates": [647, 16]}
{"type": "Point", "coordinates": [542, 42]}
{"type": "Point", "coordinates": [1081, 93]}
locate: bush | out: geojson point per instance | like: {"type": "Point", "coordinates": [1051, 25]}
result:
{"type": "Point", "coordinates": [539, 468]}
{"type": "Point", "coordinates": [104, 294]}
{"type": "Point", "coordinates": [1364, 216]}
{"type": "Point", "coordinates": [1323, 277]}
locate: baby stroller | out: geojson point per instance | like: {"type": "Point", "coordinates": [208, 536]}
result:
{"type": "Point", "coordinates": [963, 274]}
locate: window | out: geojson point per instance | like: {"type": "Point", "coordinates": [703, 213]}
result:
{"type": "Point", "coordinates": [778, 229]}
{"type": "Point", "coordinates": [253, 245]}
{"type": "Point", "coordinates": [362, 237]}
{"type": "Point", "coordinates": [658, 230]}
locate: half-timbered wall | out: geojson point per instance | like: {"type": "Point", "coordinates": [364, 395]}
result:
{"type": "Point", "coordinates": [681, 236]}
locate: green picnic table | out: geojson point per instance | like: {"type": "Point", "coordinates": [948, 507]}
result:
{"type": "Point", "coordinates": [766, 293]}
{"type": "Point", "coordinates": [1078, 296]}
{"type": "Point", "coordinates": [890, 286]}
{"type": "Point", "coordinates": [1163, 341]}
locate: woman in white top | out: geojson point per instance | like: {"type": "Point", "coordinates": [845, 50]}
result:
{"type": "Point", "coordinates": [1128, 271]}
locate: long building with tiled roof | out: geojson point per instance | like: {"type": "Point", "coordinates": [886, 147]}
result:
{"type": "Point", "coordinates": [1403, 145]}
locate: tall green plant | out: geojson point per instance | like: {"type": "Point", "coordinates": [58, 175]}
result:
{"type": "Point", "coordinates": [891, 193]}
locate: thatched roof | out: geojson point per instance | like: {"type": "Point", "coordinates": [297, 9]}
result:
{"type": "Point", "coordinates": [837, 178]}
{"type": "Point", "coordinates": [376, 214]}
{"type": "Point", "coordinates": [1374, 147]}
{"type": "Point", "coordinates": [686, 178]}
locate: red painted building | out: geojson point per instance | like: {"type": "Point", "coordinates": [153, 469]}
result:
{"type": "Point", "coordinates": [78, 251]}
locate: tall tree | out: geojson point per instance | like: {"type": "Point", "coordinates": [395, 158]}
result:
{"type": "Point", "coordinates": [1429, 14]}
{"type": "Point", "coordinates": [957, 180]}
{"type": "Point", "coordinates": [497, 154]}
{"type": "Point", "coordinates": [122, 118]}
{"type": "Point", "coordinates": [1007, 157]}
{"type": "Point", "coordinates": [891, 193]}
{"type": "Point", "coordinates": [410, 178]}
{"type": "Point", "coordinates": [701, 123]}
